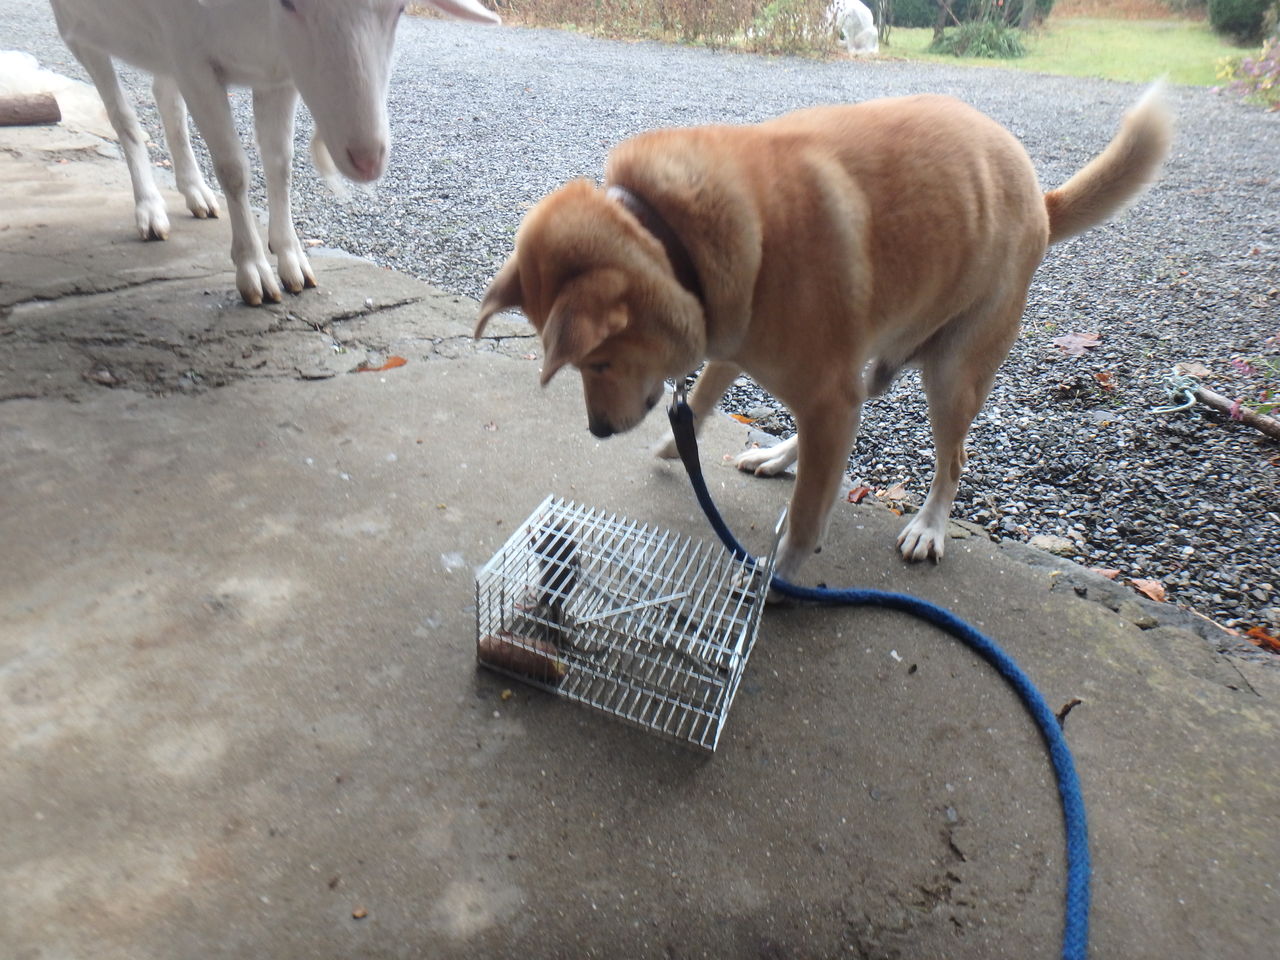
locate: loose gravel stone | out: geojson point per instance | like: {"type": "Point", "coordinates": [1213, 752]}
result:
{"type": "Point", "coordinates": [486, 121]}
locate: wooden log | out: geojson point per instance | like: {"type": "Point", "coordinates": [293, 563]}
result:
{"type": "Point", "coordinates": [1259, 421]}
{"type": "Point", "coordinates": [29, 109]}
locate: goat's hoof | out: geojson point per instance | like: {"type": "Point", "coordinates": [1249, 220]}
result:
{"type": "Point", "coordinates": [257, 282]}
{"type": "Point", "coordinates": [296, 278]}
{"type": "Point", "coordinates": [154, 230]}
{"type": "Point", "coordinates": [151, 219]}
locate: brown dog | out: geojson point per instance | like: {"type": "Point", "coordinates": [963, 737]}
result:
{"type": "Point", "coordinates": [820, 253]}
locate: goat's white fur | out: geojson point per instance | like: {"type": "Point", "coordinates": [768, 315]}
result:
{"type": "Point", "coordinates": [857, 25]}
{"type": "Point", "coordinates": [336, 53]}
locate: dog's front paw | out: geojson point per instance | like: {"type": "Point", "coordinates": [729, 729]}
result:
{"type": "Point", "coordinates": [767, 461]}
{"type": "Point", "coordinates": [921, 539]}
{"type": "Point", "coordinates": [666, 450]}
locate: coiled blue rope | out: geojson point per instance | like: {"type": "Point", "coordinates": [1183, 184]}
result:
{"type": "Point", "coordinates": [1075, 933]}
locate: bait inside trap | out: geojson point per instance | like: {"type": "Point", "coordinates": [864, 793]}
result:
{"type": "Point", "coordinates": [643, 624]}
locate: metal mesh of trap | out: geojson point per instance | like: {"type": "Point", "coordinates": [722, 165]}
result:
{"type": "Point", "coordinates": [644, 624]}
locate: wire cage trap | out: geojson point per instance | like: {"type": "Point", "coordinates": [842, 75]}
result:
{"type": "Point", "coordinates": [640, 623]}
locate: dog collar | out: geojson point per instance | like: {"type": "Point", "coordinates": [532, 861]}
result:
{"type": "Point", "coordinates": [652, 221]}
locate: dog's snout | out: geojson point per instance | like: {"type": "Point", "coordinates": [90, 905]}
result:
{"type": "Point", "coordinates": [601, 429]}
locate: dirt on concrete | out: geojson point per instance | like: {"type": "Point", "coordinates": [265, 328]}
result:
{"type": "Point", "coordinates": [82, 306]}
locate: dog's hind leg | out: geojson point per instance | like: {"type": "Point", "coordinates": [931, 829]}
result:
{"type": "Point", "coordinates": [712, 383]}
{"type": "Point", "coordinates": [957, 371]}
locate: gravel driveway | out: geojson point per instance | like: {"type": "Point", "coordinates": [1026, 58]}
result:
{"type": "Point", "coordinates": [487, 121]}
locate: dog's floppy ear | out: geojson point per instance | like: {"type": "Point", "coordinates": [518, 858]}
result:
{"type": "Point", "coordinates": [504, 293]}
{"type": "Point", "coordinates": [588, 311]}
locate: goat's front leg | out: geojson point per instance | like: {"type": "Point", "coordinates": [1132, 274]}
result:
{"type": "Point", "coordinates": [148, 204]}
{"type": "Point", "coordinates": [207, 100]}
{"type": "Point", "coordinates": [273, 115]}
{"type": "Point", "coordinates": [173, 115]}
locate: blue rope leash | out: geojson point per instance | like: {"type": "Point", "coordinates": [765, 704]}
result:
{"type": "Point", "coordinates": [1075, 933]}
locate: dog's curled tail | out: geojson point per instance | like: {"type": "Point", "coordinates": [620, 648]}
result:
{"type": "Point", "coordinates": [1116, 176]}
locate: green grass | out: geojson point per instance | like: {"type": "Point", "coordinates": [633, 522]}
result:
{"type": "Point", "coordinates": [1136, 51]}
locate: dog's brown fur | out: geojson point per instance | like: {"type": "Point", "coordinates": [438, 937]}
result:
{"type": "Point", "coordinates": [833, 246]}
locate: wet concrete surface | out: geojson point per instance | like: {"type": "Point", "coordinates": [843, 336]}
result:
{"type": "Point", "coordinates": [240, 713]}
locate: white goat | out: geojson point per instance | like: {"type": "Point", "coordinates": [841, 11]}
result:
{"type": "Point", "coordinates": [856, 24]}
{"type": "Point", "coordinates": [336, 53]}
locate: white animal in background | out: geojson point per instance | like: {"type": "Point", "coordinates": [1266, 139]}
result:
{"type": "Point", "coordinates": [335, 53]}
{"type": "Point", "coordinates": [856, 25]}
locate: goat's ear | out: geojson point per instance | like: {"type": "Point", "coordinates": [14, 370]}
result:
{"type": "Point", "coordinates": [504, 293]}
{"type": "Point", "coordinates": [583, 319]}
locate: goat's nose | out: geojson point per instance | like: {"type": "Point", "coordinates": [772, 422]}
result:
{"type": "Point", "coordinates": [367, 161]}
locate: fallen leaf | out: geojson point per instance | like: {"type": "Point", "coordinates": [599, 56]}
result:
{"type": "Point", "coordinates": [391, 364]}
{"type": "Point", "coordinates": [1263, 639]}
{"type": "Point", "coordinates": [1193, 369]}
{"type": "Point", "coordinates": [857, 494]}
{"type": "Point", "coordinates": [1243, 366]}
{"type": "Point", "coordinates": [1105, 380]}
{"type": "Point", "coordinates": [1150, 588]}
{"type": "Point", "coordinates": [1107, 572]}
{"type": "Point", "coordinates": [741, 419]}
{"type": "Point", "coordinates": [359, 913]}
{"type": "Point", "coordinates": [897, 492]}
{"type": "Point", "coordinates": [1075, 344]}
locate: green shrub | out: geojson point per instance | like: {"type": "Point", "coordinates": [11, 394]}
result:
{"type": "Point", "coordinates": [786, 26]}
{"type": "Point", "coordinates": [981, 38]}
{"type": "Point", "coordinates": [924, 13]}
{"type": "Point", "coordinates": [1242, 20]}
{"type": "Point", "coordinates": [790, 26]}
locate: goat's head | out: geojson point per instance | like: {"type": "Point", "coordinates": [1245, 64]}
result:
{"type": "Point", "coordinates": [339, 53]}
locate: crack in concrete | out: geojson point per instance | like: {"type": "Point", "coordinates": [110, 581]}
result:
{"type": "Point", "coordinates": [76, 293]}
{"type": "Point", "coordinates": [1244, 679]}
{"type": "Point", "coordinates": [368, 311]}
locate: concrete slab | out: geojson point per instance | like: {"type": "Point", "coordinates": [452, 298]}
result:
{"type": "Point", "coordinates": [241, 716]}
